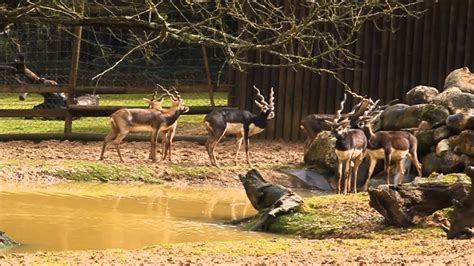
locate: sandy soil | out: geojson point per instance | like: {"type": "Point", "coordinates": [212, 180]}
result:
{"type": "Point", "coordinates": [265, 155]}
{"type": "Point", "coordinates": [32, 160]}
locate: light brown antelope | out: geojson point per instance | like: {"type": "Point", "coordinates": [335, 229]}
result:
{"type": "Point", "coordinates": [350, 149]}
{"type": "Point", "coordinates": [167, 134]}
{"type": "Point", "coordinates": [243, 124]}
{"type": "Point", "coordinates": [126, 120]}
{"type": "Point", "coordinates": [389, 146]}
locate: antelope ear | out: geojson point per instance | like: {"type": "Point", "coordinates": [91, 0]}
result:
{"type": "Point", "coordinates": [147, 100]}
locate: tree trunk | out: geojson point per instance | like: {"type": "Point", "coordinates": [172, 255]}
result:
{"type": "Point", "coordinates": [269, 199]}
{"type": "Point", "coordinates": [400, 205]}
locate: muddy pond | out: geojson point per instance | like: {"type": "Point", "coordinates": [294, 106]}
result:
{"type": "Point", "coordinates": [102, 216]}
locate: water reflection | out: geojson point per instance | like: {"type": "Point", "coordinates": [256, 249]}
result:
{"type": "Point", "coordinates": [100, 216]}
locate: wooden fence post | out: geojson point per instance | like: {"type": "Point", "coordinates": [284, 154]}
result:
{"type": "Point", "coordinates": [76, 50]}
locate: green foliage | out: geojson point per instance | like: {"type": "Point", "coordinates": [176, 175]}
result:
{"type": "Point", "coordinates": [97, 171]}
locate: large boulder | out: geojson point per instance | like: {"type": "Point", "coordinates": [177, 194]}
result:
{"type": "Point", "coordinates": [461, 121]}
{"type": "Point", "coordinates": [455, 99]}
{"type": "Point", "coordinates": [421, 94]}
{"type": "Point", "coordinates": [430, 164]}
{"type": "Point", "coordinates": [465, 144]}
{"type": "Point", "coordinates": [442, 132]}
{"type": "Point", "coordinates": [461, 78]}
{"type": "Point", "coordinates": [447, 163]}
{"type": "Point", "coordinates": [401, 116]}
{"type": "Point", "coordinates": [467, 160]}
{"type": "Point", "coordinates": [426, 141]}
{"type": "Point", "coordinates": [321, 153]}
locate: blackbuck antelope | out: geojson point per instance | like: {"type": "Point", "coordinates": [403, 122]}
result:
{"type": "Point", "coordinates": [350, 149]}
{"type": "Point", "coordinates": [240, 123]}
{"type": "Point", "coordinates": [125, 120]}
{"type": "Point", "coordinates": [313, 124]}
{"type": "Point", "coordinates": [389, 146]}
{"type": "Point", "coordinates": [167, 134]}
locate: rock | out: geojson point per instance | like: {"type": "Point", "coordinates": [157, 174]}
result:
{"type": "Point", "coordinates": [430, 164]}
{"type": "Point", "coordinates": [454, 99]}
{"type": "Point", "coordinates": [450, 163]}
{"type": "Point", "coordinates": [461, 121]}
{"type": "Point", "coordinates": [447, 163]}
{"type": "Point", "coordinates": [442, 147]}
{"type": "Point", "coordinates": [421, 94]}
{"type": "Point", "coordinates": [442, 132]}
{"type": "Point", "coordinates": [461, 78]}
{"type": "Point", "coordinates": [466, 160]}
{"type": "Point", "coordinates": [426, 141]}
{"type": "Point", "coordinates": [466, 143]}
{"type": "Point", "coordinates": [401, 116]}
{"type": "Point", "coordinates": [453, 142]}
{"type": "Point", "coordinates": [321, 153]}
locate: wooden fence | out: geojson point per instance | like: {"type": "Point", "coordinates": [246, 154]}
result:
{"type": "Point", "coordinates": [422, 52]}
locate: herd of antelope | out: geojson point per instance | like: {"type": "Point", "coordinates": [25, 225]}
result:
{"type": "Point", "coordinates": [355, 138]}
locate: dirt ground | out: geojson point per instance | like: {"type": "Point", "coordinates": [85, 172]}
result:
{"type": "Point", "coordinates": [27, 163]}
{"type": "Point", "coordinates": [189, 165]}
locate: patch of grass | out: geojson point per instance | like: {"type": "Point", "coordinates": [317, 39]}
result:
{"type": "Point", "coordinates": [256, 247]}
{"type": "Point", "coordinates": [99, 124]}
{"type": "Point", "coordinates": [447, 178]}
{"type": "Point", "coordinates": [322, 216]}
{"type": "Point", "coordinates": [97, 171]}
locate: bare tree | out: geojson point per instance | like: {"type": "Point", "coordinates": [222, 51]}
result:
{"type": "Point", "coordinates": [299, 32]}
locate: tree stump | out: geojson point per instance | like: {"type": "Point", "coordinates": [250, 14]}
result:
{"type": "Point", "coordinates": [462, 217]}
{"type": "Point", "coordinates": [268, 199]}
{"type": "Point", "coordinates": [400, 205]}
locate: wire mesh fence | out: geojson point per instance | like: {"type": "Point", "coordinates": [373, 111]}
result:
{"type": "Point", "coordinates": [47, 52]}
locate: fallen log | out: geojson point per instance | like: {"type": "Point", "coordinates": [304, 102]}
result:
{"type": "Point", "coordinates": [401, 205]}
{"type": "Point", "coordinates": [462, 217]}
{"type": "Point", "coordinates": [268, 199]}
{"type": "Point", "coordinates": [6, 241]}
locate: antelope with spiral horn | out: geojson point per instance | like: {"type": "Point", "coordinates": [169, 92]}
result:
{"type": "Point", "coordinates": [243, 124]}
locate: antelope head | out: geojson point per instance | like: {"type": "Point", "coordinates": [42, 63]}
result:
{"type": "Point", "coordinates": [370, 115]}
{"type": "Point", "coordinates": [339, 126]}
{"type": "Point", "coordinates": [267, 108]}
{"type": "Point", "coordinates": [155, 103]}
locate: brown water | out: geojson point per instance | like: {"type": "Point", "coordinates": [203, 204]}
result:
{"type": "Point", "coordinates": [102, 216]}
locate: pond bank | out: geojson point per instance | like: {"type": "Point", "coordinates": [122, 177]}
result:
{"type": "Point", "coordinates": [345, 227]}
{"type": "Point", "coordinates": [26, 163]}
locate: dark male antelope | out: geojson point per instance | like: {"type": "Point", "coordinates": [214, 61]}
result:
{"type": "Point", "coordinates": [350, 148]}
{"type": "Point", "coordinates": [389, 146]}
{"type": "Point", "coordinates": [241, 123]}
{"type": "Point", "coordinates": [125, 120]}
{"type": "Point", "coordinates": [313, 124]}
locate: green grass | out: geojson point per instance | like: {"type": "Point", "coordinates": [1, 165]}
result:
{"type": "Point", "coordinates": [342, 216]}
{"type": "Point", "coordinates": [98, 171]}
{"type": "Point", "coordinates": [188, 123]}
{"type": "Point", "coordinates": [84, 171]}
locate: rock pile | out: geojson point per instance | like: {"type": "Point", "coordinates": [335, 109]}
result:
{"type": "Point", "coordinates": [443, 123]}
